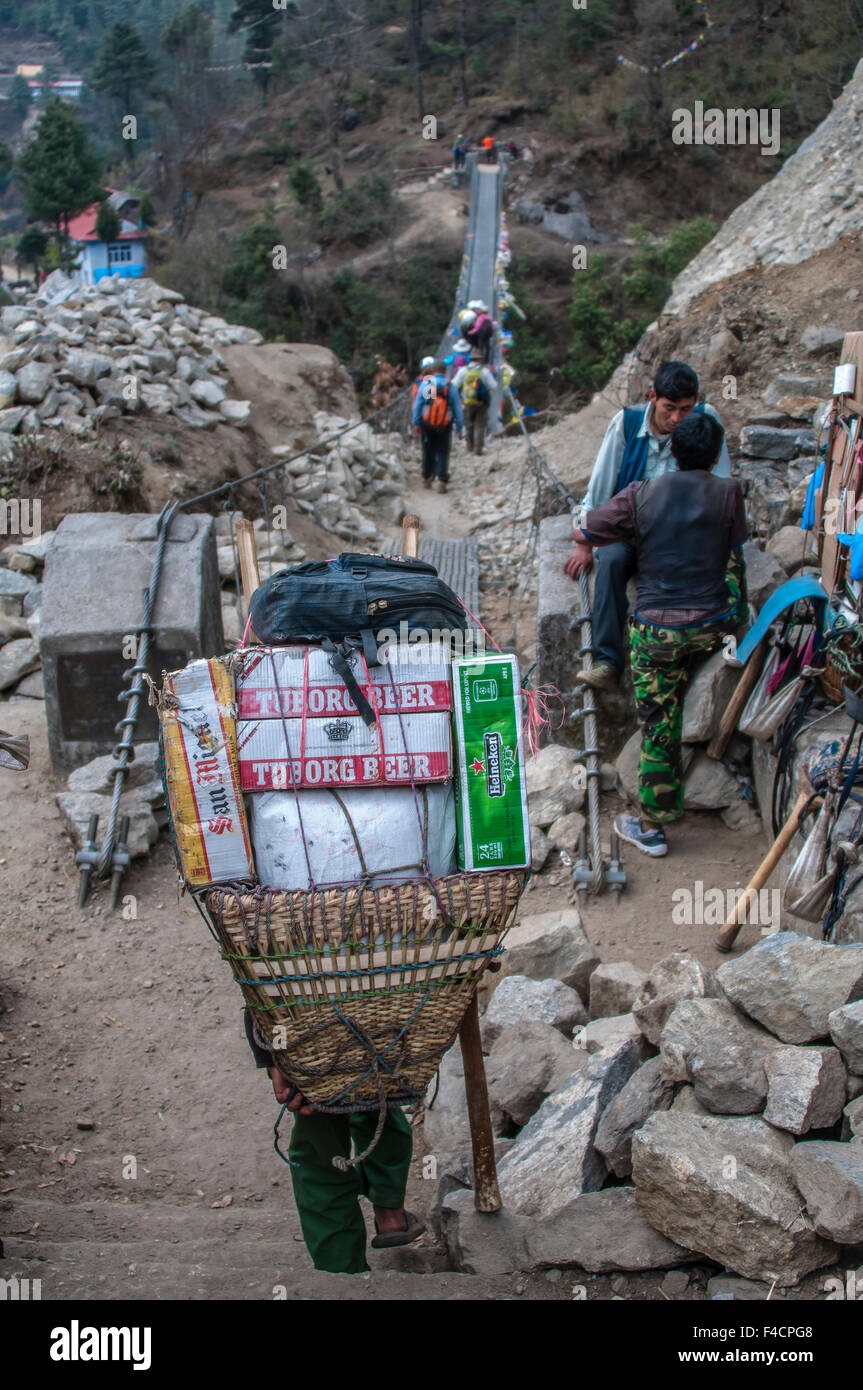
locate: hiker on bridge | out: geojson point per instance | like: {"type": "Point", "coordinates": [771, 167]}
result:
{"type": "Point", "coordinates": [476, 386]}
{"type": "Point", "coordinates": [327, 1198]}
{"type": "Point", "coordinates": [687, 528]}
{"type": "Point", "coordinates": [637, 445]}
{"type": "Point", "coordinates": [480, 333]}
{"type": "Point", "coordinates": [437, 407]}
{"type": "Point", "coordinates": [490, 146]}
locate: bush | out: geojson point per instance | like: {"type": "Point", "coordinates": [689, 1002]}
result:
{"type": "Point", "coordinates": [611, 306]}
{"type": "Point", "coordinates": [360, 214]}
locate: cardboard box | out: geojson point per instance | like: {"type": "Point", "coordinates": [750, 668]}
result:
{"type": "Point", "coordinates": [380, 831]}
{"type": "Point", "coordinates": [197, 713]}
{"type": "Point", "coordinates": [299, 727]}
{"type": "Point", "coordinates": [491, 797]}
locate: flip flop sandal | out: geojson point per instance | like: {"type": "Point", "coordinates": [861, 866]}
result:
{"type": "Point", "coordinates": [414, 1229]}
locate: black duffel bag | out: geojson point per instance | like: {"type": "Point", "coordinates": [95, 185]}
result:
{"type": "Point", "coordinates": [352, 601]}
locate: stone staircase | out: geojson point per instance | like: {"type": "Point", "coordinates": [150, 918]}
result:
{"type": "Point", "coordinates": [154, 1250]}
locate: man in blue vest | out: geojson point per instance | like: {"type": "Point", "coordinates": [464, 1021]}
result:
{"type": "Point", "coordinates": [637, 445]}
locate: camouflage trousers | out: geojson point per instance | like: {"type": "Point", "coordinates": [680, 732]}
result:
{"type": "Point", "coordinates": [659, 660]}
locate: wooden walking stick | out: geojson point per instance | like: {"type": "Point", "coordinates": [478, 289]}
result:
{"type": "Point", "coordinates": [486, 1193]}
{"type": "Point", "coordinates": [726, 938]}
{"type": "Point", "coordinates": [733, 710]}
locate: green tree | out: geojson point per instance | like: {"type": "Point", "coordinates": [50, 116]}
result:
{"type": "Point", "coordinates": [123, 72]}
{"type": "Point", "coordinates": [261, 21]}
{"type": "Point", "coordinates": [7, 160]}
{"type": "Point", "coordinates": [31, 248]}
{"type": "Point", "coordinates": [20, 95]}
{"type": "Point", "coordinates": [305, 188]}
{"type": "Point", "coordinates": [146, 211]}
{"type": "Point", "coordinates": [58, 171]}
{"type": "Point", "coordinates": [107, 223]}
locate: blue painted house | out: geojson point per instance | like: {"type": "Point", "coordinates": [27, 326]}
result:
{"type": "Point", "coordinates": [126, 255]}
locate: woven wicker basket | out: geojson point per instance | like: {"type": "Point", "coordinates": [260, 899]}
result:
{"type": "Point", "coordinates": [359, 991]}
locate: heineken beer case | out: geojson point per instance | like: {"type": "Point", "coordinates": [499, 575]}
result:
{"type": "Point", "coordinates": [491, 799]}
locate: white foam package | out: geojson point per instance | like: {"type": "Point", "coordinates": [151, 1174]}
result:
{"type": "Point", "coordinates": [299, 727]}
{"type": "Point", "coordinates": [387, 824]}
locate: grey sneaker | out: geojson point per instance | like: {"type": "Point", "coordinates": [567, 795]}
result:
{"type": "Point", "coordinates": [601, 677]}
{"type": "Point", "coordinates": [650, 842]}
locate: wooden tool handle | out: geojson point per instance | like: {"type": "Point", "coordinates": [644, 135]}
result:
{"type": "Point", "coordinates": [486, 1193]}
{"type": "Point", "coordinates": [726, 938]}
{"type": "Point", "coordinates": [411, 535]}
{"type": "Point", "coordinates": [250, 575]}
{"type": "Point", "coordinates": [728, 723]}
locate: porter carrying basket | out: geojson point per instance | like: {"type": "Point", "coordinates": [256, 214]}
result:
{"type": "Point", "coordinates": [358, 991]}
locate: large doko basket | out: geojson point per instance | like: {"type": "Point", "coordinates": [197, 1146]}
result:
{"type": "Point", "coordinates": [358, 991]}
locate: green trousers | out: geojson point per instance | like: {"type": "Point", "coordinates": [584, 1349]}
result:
{"type": "Point", "coordinates": [659, 659]}
{"type": "Point", "coordinates": [327, 1200]}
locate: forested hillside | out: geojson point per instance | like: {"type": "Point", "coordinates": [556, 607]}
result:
{"type": "Point", "coordinates": [303, 125]}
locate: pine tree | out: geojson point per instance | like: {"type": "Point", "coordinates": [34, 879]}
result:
{"type": "Point", "coordinates": [260, 21]}
{"type": "Point", "coordinates": [124, 67]}
{"type": "Point", "coordinates": [107, 223]}
{"type": "Point", "coordinates": [58, 171]}
{"type": "Point", "coordinates": [20, 95]}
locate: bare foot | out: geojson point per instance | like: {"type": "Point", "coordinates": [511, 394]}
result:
{"type": "Point", "coordinates": [390, 1219]}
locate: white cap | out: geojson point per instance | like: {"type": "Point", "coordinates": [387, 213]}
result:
{"type": "Point", "coordinates": [427, 362]}
{"type": "Point", "coordinates": [462, 345]}
{"type": "Point", "coordinates": [475, 304]}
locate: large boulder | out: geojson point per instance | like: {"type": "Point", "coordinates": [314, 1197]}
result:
{"type": "Point", "coordinates": [446, 1128]}
{"type": "Point", "coordinates": [724, 1187]}
{"type": "Point", "coordinates": [645, 1091]}
{"type": "Point", "coordinates": [527, 1063]}
{"type": "Point", "coordinates": [551, 945]}
{"type": "Point", "coordinates": [33, 380]}
{"type": "Point", "coordinates": [805, 1088]}
{"type": "Point", "coordinates": [846, 1030]}
{"type": "Point", "coordinates": [602, 1033]}
{"type": "Point", "coordinates": [602, 1232]}
{"type": "Point", "coordinates": [614, 987]}
{"type": "Point", "coordinates": [519, 999]}
{"type": "Point", "coordinates": [710, 688]}
{"type": "Point", "coordinates": [792, 983]}
{"type": "Point", "coordinates": [555, 785]}
{"type": "Point", "coordinates": [676, 977]}
{"type": "Point", "coordinates": [708, 1043]}
{"type": "Point", "coordinates": [708, 785]}
{"type": "Point", "coordinates": [830, 1179]}
{"type": "Point", "coordinates": [763, 574]}
{"type": "Point", "coordinates": [479, 1243]}
{"type": "Point", "coordinates": [554, 1158]}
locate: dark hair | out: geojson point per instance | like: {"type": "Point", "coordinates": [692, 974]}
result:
{"type": "Point", "coordinates": [697, 441]}
{"type": "Point", "coordinates": [675, 381]}
{"type": "Point", "coordinates": [439, 368]}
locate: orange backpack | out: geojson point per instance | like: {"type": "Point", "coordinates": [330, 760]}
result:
{"type": "Point", "coordinates": [436, 412]}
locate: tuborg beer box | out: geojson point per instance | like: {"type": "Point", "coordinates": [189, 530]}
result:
{"type": "Point", "coordinates": [491, 800]}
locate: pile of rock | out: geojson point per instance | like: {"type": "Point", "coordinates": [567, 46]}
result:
{"type": "Point", "coordinates": [74, 355]}
{"type": "Point", "coordinates": [692, 1117]}
{"type": "Point", "coordinates": [21, 567]}
{"type": "Point", "coordinates": [359, 468]}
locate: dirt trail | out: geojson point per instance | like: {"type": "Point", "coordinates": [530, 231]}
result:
{"type": "Point", "coordinates": [132, 1108]}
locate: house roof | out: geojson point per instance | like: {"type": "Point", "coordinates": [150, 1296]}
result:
{"type": "Point", "coordinates": [83, 227]}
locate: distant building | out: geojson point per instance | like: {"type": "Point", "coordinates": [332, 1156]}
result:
{"type": "Point", "coordinates": [69, 88]}
{"type": "Point", "coordinates": [126, 255]}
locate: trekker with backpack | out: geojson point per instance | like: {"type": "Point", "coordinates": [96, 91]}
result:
{"type": "Point", "coordinates": [481, 331]}
{"type": "Point", "coordinates": [637, 445]}
{"type": "Point", "coordinates": [475, 384]}
{"type": "Point", "coordinates": [437, 407]}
